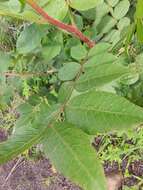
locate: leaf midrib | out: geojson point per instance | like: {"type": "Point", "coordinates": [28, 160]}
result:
{"type": "Point", "coordinates": [75, 156]}
{"type": "Point", "coordinates": [102, 111]}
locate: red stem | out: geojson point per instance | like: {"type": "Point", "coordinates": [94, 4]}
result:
{"type": "Point", "coordinates": [69, 28]}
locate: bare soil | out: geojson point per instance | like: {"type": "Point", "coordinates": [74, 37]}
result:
{"type": "Point", "coordinates": [30, 175]}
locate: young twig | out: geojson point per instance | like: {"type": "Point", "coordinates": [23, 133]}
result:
{"type": "Point", "coordinates": [69, 28]}
{"type": "Point", "coordinates": [27, 75]}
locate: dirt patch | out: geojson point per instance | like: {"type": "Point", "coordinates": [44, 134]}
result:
{"type": "Point", "coordinates": [134, 169]}
{"type": "Point", "coordinates": [30, 175]}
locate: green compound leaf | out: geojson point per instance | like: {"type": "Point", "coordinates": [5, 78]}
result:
{"type": "Point", "coordinates": [30, 129]}
{"type": "Point", "coordinates": [97, 111]}
{"type": "Point", "coordinates": [70, 151]}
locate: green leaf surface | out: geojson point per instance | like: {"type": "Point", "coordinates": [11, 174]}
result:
{"type": "Point", "coordinates": [130, 33]}
{"type": "Point", "coordinates": [140, 30]}
{"type": "Point", "coordinates": [121, 9]}
{"type": "Point", "coordinates": [78, 52]}
{"type": "Point", "coordinates": [65, 91]}
{"type": "Point", "coordinates": [124, 22]}
{"type": "Point", "coordinates": [99, 75]}
{"type": "Point", "coordinates": [83, 5]}
{"type": "Point", "coordinates": [70, 151]}
{"type": "Point", "coordinates": [28, 132]}
{"type": "Point", "coordinates": [112, 37]}
{"type": "Point", "coordinates": [100, 11]}
{"type": "Point", "coordinates": [97, 111]}
{"type": "Point", "coordinates": [5, 61]}
{"type": "Point", "coordinates": [69, 71]}
{"type": "Point", "coordinates": [79, 21]}
{"type": "Point", "coordinates": [56, 8]}
{"type": "Point", "coordinates": [98, 49]}
{"type": "Point", "coordinates": [139, 9]}
{"type": "Point", "coordinates": [112, 3]}
{"type": "Point", "coordinates": [23, 3]}
{"type": "Point", "coordinates": [106, 24]}
{"type": "Point", "coordinates": [100, 58]}
{"type": "Point", "coordinates": [50, 51]}
{"type": "Point", "coordinates": [29, 39]}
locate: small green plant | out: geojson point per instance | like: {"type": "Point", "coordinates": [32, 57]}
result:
{"type": "Point", "coordinates": [68, 84]}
